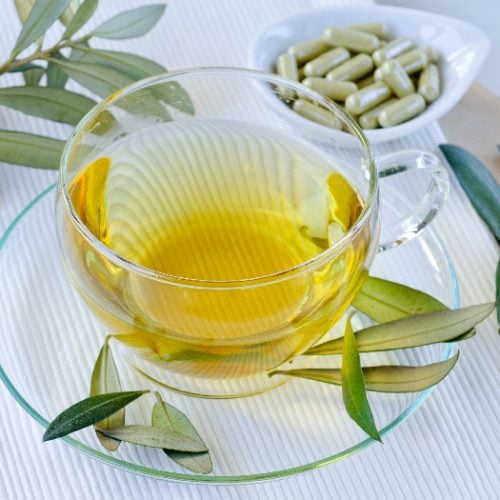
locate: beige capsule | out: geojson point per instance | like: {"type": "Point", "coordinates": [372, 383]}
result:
{"type": "Point", "coordinates": [325, 62]}
{"type": "Point", "coordinates": [370, 118]}
{"type": "Point", "coordinates": [357, 41]}
{"type": "Point", "coordinates": [305, 51]}
{"type": "Point", "coordinates": [413, 61]}
{"type": "Point", "coordinates": [367, 98]}
{"type": "Point", "coordinates": [429, 84]}
{"type": "Point", "coordinates": [286, 66]}
{"type": "Point", "coordinates": [392, 49]}
{"type": "Point", "coordinates": [337, 90]}
{"type": "Point", "coordinates": [316, 114]}
{"type": "Point", "coordinates": [431, 52]}
{"type": "Point", "coordinates": [379, 29]}
{"type": "Point", "coordinates": [397, 78]}
{"type": "Point", "coordinates": [352, 69]}
{"type": "Point", "coordinates": [378, 76]}
{"type": "Point", "coordinates": [402, 110]}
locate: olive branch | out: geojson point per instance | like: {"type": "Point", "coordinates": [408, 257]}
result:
{"type": "Point", "coordinates": [46, 71]}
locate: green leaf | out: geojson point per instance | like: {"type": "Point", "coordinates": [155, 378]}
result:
{"type": "Point", "coordinates": [498, 292]}
{"type": "Point", "coordinates": [54, 104]}
{"type": "Point", "coordinates": [99, 79]}
{"type": "Point", "coordinates": [131, 23]}
{"type": "Point", "coordinates": [478, 183]}
{"type": "Point", "coordinates": [23, 8]}
{"type": "Point", "coordinates": [41, 17]}
{"type": "Point", "coordinates": [89, 411]}
{"type": "Point", "coordinates": [384, 300]}
{"type": "Point", "coordinates": [415, 331]}
{"type": "Point", "coordinates": [353, 386]}
{"type": "Point", "coordinates": [56, 78]}
{"type": "Point", "coordinates": [105, 379]}
{"type": "Point", "coordinates": [82, 15]}
{"type": "Point", "coordinates": [154, 437]}
{"type": "Point", "coordinates": [24, 67]}
{"type": "Point", "coordinates": [132, 65]}
{"type": "Point", "coordinates": [383, 378]}
{"type": "Point", "coordinates": [169, 417]}
{"type": "Point", "coordinates": [69, 13]}
{"type": "Point", "coordinates": [21, 148]}
{"type": "Point", "coordinates": [174, 95]}
{"type": "Point", "coordinates": [33, 76]}
{"type": "Point", "coordinates": [137, 68]}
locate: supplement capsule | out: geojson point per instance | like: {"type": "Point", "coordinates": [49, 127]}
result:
{"type": "Point", "coordinates": [413, 61]}
{"type": "Point", "coordinates": [367, 80]}
{"type": "Point", "coordinates": [337, 90]}
{"type": "Point", "coordinates": [370, 118]}
{"type": "Point", "coordinates": [402, 110]}
{"type": "Point", "coordinates": [431, 52]}
{"type": "Point", "coordinates": [377, 75]}
{"type": "Point", "coordinates": [367, 98]}
{"type": "Point", "coordinates": [397, 78]}
{"type": "Point", "coordinates": [351, 39]}
{"type": "Point", "coordinates": [379, 29]}
{"type": "Point", "coordinates": [352, 69]}
{"type": "Point", "coordinates": [325, 62]}
{"type": "Point", "coordinates": [286, 66]}
{"type": "Point", "coordinates": [316, 114]}
{"type": "Point", "coordinates": [429, 84]}
{"type": "Point", "coordinates": [392, 49]}
{"type": "Point", "coordinates": [305, 51]}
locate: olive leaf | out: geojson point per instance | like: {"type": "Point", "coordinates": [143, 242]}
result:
{"type": "Point", "coordinates": [155, 437]}
{"type": "Point", "coordinates": [56, 78]}
{"type": "Point", "coordinates": [498, 293]}
{"type": "Point", "coordinates": [478, 183]}
{"type": "Point", "coordinates": [99, 79]}
{"type": "Point", "coordinates": [23, 8]}
{"type": "Point", "coordinates": [353, 385]}
{"type": "Point", "coordinates": [22, 148]}
{"type": "Point", "coordinates": [137, 67]}
{"type": "Point", "coordinates": [24, 67]}
{"type": "Point", "coordinates": [41, 17]}
{"type": "Point", "coordinates": [383, 378]}
{"type": "Point", "coordinates": [76, 21]}
{"type": "Point", "coordinates": [54, 104]}
{"type": "Point", "coordinates": [33, 76]}
{"type": "Point", "coordinates": [70, 11]}
{"type": "Point", "coordinates": [167, 416]}
{"type": "Point", "coordinates": [131, 23]}
{"type": "Point", "coordinates": [105, 379]}
{"type": "Point", "coordinates": [132, 65]}
{"type": "Point", "coordinates": [414, 331]}
{"type": "Point", "coordinates": [89, 411]}
{"type": "Point", "coordinates": [384, 300]}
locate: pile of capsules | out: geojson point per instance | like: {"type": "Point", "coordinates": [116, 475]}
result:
{"type": "Point", "coordinates": [381, 83]}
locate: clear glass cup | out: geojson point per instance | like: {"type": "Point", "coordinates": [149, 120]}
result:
{"type": "Point", "coordinates": [219, 337]}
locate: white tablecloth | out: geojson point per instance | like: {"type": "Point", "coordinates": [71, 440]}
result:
{"type": "Point", "coordinates": [448, 449]}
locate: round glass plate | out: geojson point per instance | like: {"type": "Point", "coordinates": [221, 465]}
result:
{"type": "Point", "coordinates": [49, 342]}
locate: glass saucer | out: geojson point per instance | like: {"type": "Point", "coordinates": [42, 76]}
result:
{"type": "Point", "coordinates": [49, 342]}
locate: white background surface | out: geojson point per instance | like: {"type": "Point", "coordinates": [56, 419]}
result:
{"type": "Point", "coordinates": [482, 13]}
{"type": "Point", "coordinates": [448, 449]}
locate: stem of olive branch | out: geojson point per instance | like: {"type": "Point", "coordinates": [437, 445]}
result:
{"type": "Point", "coordinates": [10, 65]}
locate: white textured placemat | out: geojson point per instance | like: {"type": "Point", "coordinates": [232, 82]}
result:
{"type": "Point", "coordinates": [448, 449]}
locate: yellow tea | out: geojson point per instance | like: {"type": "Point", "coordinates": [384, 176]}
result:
{"type": "Point", "coordinates": [217, 214]}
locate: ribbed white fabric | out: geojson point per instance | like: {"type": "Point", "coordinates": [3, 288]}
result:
{"type": "Point", "coordinates": [448, 449]}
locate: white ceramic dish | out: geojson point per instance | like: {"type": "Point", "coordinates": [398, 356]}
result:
{"type": "Point", "coordinates": [462, 46]}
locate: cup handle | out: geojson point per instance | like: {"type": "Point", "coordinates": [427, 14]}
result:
{"type": "Point", "coordinates": [429, 205]}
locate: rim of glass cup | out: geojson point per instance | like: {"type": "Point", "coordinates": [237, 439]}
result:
{"type": "Point", "coordinates": [229, 72]}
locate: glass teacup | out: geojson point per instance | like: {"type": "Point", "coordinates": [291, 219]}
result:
{"type": "Point", "coordinates": [213, 239]}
